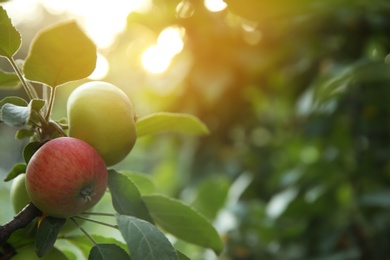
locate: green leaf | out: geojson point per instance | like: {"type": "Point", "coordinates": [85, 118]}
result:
{"type": "Point", "coordinates": [85, 244]}
{"type": "Point", "coordinates": [211, 195]}
{"type": "Point", "coordinates": [30, 149]}
{"type": "Point", "coordinates": [24, 133]}
{"type": "Point", "coordinates": [9, 80]}
{"type": "Point", "coordinates": [18, 101]}
{"type": "Point", "coordinates": [183, 222]}
{"type": "Point", "coordinates": [182, 256]}
{"type": "Point", "coordinates": [15, 116]}
{"type": "Point", "coordinates": [19, 116]}
{"type": "Point", "coordinates": [47, 234]}
{"type": "Point", "coordinates": [143, 182]}
{"type": "Point", "coordinates": [10, 39]}
{"type": "Point", "coordinates": [107, 252]}
{"type": "Point", "coordinates": [126, 197]}
{"type": "Point", "coordinates": [60, 54]}
{"type": "Point", "coordinates": [17, 169]}
{"type": "Point", "coordinates": [144, 240]}
{"type": "Point", "coordinates": [170, 122]}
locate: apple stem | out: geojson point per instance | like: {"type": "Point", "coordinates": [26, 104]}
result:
{"type": "Point", "coordinates": [99, 214]}
{"type": "Point", "coordinates": [97, 222]}
{"type": "Point", "coordinates": [31, 93]}
{"type": "Point", "coordinates": [51, 102]}
{"type": "Point", "coordinates": [21, 220]}
{"type": "Point", "coordinates": [84, 231]}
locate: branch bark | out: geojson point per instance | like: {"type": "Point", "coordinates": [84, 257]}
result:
{"type": "Point", "coordinates": [21, 220]}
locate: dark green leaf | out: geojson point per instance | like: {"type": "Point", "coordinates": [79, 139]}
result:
{"type": "Point", "coordinates": [183, 222]}
{"type": "Point", "coordinates": [17, 169]}
{"type": "Point", "coordinates": [9, 80]}
{"type": "Point", "coordinates": [144, 240]}
{"type": "Point", "coordinates": [107, 252]}
{"type": "Point", "coordinates": [10, 39]}
{"type": "Point", "coordinates": [170, 122]}
{"type": "Point", "coordinates": [47, 234]}
{"type": "Point", "coordinates": [143, 182]}
{"type": "Point", "coordinates": [126, 198]}
{"type": "Point", "coordinates": [30, 149]}
{"type": "Point", "coordinates": [60, 54]}
{"type": "Point", "coordinates": [85, 244]}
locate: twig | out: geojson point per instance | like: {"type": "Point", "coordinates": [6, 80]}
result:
{"type": "Point", "coordinates": [21, 220]}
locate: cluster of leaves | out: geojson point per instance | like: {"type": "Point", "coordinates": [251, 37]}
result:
{"type": "Point", "coordinates": [297, 95]}
{"type": "Point", "coordinates": [60, 54]}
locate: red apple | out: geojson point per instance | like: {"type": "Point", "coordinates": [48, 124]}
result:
{"type": "Point", "coordinates": [65, 177]}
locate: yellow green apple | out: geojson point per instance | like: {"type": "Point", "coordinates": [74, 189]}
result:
{"type": "Point", "coordinates": [102, 115]}
{"type": "Point", "coordinates": [28, 252]}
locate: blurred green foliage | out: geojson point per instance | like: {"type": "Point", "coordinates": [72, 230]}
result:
{"type": "Point", "coordinates": [297, 99]}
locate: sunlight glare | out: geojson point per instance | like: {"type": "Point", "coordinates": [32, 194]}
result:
{"type": "Point", "coordinates": [215, 5]}
{"type": "Point", "coordinates": [102, 21]}
{"type": "Point", "coordinates": [171, 40]}
{"type": "Point", "coordinates": [157, 58]}
{"type": "Point", "coordinates": [102, 68]}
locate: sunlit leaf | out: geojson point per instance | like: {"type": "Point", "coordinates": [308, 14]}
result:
{"type": "Point", "coordinates": [170, 122]}
{"type": "Point", "coordinates": [18, 101]}
{"type": "Point", "coordinates": [126, 197]}
{"type": "Point", "coordinates": [107, 252]}
{"type": "Point", "coordinates": [10, 39]}
{"type": "Point", "coordinates": [60, 54]}
{"type": "Point", "coordinates": [17, 169]}
{"type": "Point", "coordinates": [47, 234]}
{"type": "Point", "coordinates": [143, 182]}
{"type": "Point", "coordinates": [183, 222]}
{"type": "Point", "coordinates": [144, 240]}
{"type": "Point", "coordinates": [9, 80]}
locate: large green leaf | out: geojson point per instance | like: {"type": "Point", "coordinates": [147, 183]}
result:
{"type": "Point", "coordinates": [126, 197]}
{"type": "Point", "coordinates": [170, 122]}
{"type": "Point", "coordinates": [143, 182]}
{"type": "Point", "coordinates": [107, 252]}
{"type": "Point", "coordinates": [60, 54]}
{"type": "Point", "coordinates": [10, 39]}
{"type": "Point", "coordinates": [144, 240]}
{"type": "Point", "coordinates": [47, 234]}
{"type": "Point", "coordinates": [183, 222]}
{"type": "Point", "coordinates": [9, 80]}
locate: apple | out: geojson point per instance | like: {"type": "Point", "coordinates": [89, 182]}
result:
{"type": "Point", "coordinates": [18, 193]}
{"type": "Point", "coordinates": [102, 115]}
{"type": "Point", "coordinates": [28, 252]}
{"type": "Point", "coordinates": [66, 177]}
{"type": "Point", "coordinates": [20, 198]}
